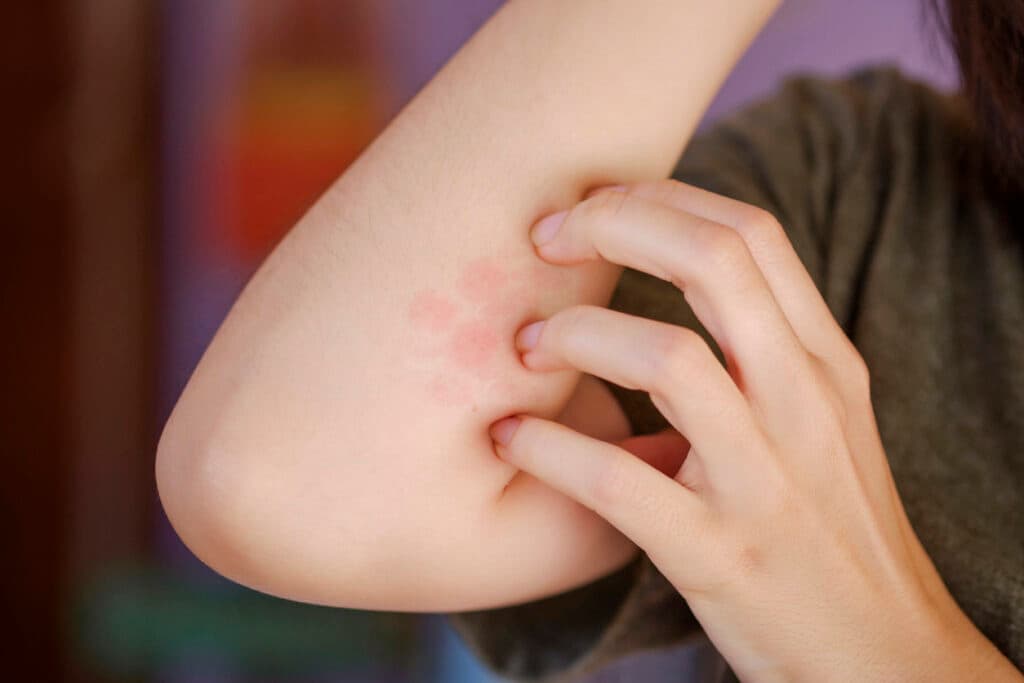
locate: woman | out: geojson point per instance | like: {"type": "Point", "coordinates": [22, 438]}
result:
{"type": "Point", "coordinates": [846, 252]}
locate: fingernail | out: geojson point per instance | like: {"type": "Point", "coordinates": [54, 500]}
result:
{"type": "Point", "coordinates": [546, 229]}
{"type": "Point", "coordinates": [502, 430]}
{"type": "Point", "coordinates": [527, 337]}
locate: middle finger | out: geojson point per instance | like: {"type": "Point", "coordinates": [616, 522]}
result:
{"type": "Point", "coordinates": [719, 278]}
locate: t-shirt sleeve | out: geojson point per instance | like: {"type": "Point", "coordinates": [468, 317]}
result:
{"type": "Point", "coordinates": [792, 154]}
{"type": "Point", "coordinates": [827, 157]}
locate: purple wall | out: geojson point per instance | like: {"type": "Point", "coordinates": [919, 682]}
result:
{"type": "Point", "coordinates": [832, 36]}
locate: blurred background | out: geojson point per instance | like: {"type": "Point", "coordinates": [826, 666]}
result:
{"type": "Point", "coordinates": [156, 153]}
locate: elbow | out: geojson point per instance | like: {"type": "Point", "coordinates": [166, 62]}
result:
{"type": "Point", "coordinates": [239, 518]}
{"type": "Point", "coordinates": [203, 497]}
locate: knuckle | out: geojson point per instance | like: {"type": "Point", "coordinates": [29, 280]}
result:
{"type": "Point", "coordinates": [766, 511]}
{"type": "Point", "coordinates": [858, 373]}
{"type": "Point", "coordinates": [761, 224]}
{"type": "Point", "coordinates": [817, 383]}
{"type": "Point", "coordinates": [737, 558]}
{"type": "Point", "coordinates": [850, 372]}
{"type": "Point", "coordinates": [763, 232]}
{"type": "Point", "coordinates": [675, 354]}
{"type": "Point", "coordinates": [721, 250]}
{"type": "Point", "coordinates": [844, 392]}
{"type": "Point", "coordinates": [824, 388]}
{"type": "Point", "coordinates": [745, 559]}
{"type": "Point", "coordinates": [827, 416]}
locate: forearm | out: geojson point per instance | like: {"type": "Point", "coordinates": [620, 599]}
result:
{"type": "Point", "coordinates": [367, 356]}
{"type": "Point", "coordinates": [551, 97]}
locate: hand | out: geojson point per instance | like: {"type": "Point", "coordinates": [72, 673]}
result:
{"type": "Point", "coordinates": [773, 510]}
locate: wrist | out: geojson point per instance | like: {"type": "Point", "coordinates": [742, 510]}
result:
{"type": "Point", "coordinates": [915, 641]}
{"type": "Point", "coordinates": [950, 648]}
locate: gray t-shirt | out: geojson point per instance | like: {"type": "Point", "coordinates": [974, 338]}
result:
{"type": "Point", "coordinates": [871, 177]}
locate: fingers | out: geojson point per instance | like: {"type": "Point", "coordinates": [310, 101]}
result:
{"type": "Point", "coordinates": [650, 508]}
{"type": "Point", "coordinates": [713, 266]}
{"type": "Point", "coordinates": [674, 364]}
{"type": "Point", "coordinates": [788, 279]}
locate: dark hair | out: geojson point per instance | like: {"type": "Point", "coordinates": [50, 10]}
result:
{"type": "Point", "coordinates": [987, 37]}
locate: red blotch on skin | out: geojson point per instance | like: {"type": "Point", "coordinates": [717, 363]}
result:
{"type": "Point", "coordinates": [473, 344]}
{"type": "Point", "coordinates": [482, 280]}
{"type": "Point", "coordinates": [432, 312]}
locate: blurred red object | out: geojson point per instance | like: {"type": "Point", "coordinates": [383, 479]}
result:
{"type": "Point", "coordinates": [308, 102]}
{"type": "Point", "coordinates": [292, 133]}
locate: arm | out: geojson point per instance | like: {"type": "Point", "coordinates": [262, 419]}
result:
{"type": "Point", "coordinates": [332, 444]}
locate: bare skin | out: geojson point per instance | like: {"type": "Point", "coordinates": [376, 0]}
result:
{"type": "Point", "coordinates": [331, 446]}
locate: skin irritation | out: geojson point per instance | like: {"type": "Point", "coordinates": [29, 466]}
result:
{"type": "Point", "coordinates": [468, 330]}
{"type": "Point", "coordinates": [431, 312]}
{"type": "Point", "coordinates": [481, 280]}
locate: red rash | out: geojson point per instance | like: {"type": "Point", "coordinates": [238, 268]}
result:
{"type": "Point", "coordinates": [431, 311]}
{"type": "Point", "coordinates": [474, 343]}
{"type": "Point", "coordinates": [470, 333]}
{"type": "Point", "coordinates": [482, 280]}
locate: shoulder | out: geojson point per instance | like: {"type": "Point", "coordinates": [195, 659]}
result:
{"type": "Point", "coordinates": [798, 151]}
{"type": "Point", "coordinates": [834, 119]}
{"type": "Point", "coordinates": [868, 88]}
{"type": "Point", "coordinates": [858, 104]}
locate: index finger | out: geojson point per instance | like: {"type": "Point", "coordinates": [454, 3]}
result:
{"type": "Point", "coordinates": [650, 508]}
{"type": "Point", "coordinates": [790, 282]}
